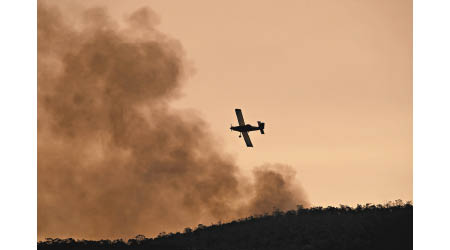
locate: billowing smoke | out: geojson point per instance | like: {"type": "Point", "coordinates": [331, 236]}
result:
{"type": "Point", "coordinates": [113, 159]}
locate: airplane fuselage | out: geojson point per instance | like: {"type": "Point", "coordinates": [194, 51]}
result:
{"type": "Point", "coordinates": [245, 128]}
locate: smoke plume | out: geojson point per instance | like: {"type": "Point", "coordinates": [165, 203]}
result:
{"type": "Point", "coordinates": [113, 159]}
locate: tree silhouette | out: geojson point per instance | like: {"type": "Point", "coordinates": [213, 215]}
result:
{"type": "Point", "coordinates": [368, 226]}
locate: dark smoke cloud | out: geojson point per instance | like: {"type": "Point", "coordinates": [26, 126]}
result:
{"type": "Point", "coordinates": [113, 159]}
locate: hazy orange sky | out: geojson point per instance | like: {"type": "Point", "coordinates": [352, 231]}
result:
{"type": "Point", "coordinates": [331, 79]}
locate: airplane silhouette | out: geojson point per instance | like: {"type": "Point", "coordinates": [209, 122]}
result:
{"type": "Point", "coordinates": [245, 128]}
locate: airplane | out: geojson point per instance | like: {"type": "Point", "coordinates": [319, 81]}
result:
{"type": "Point", "coordinates": [243, 128]}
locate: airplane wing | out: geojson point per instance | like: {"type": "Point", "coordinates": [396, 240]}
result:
{"type": "Point", "coordinates": [240, 118]}
{"type": "Point", "coordinates": [247, 139]}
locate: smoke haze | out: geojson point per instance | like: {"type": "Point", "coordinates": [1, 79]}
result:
{"type": "Point", "coordinates": [113, 159]}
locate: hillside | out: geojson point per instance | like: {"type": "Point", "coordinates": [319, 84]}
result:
{"type": "Point", "coordinates": [388, 226]}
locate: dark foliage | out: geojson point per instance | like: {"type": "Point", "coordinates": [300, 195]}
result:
{"type": "Point", "coordinates": [388, 226]}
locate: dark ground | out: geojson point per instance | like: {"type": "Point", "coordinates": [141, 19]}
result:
{"type": "Point", "coordinates": [388, 226]}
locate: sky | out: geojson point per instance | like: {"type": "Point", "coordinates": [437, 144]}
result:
{"type": "Point", "coordinates": [332, 80]}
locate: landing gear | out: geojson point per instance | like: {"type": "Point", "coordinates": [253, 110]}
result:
{"type": "Point", "coordinates": [240, 135]}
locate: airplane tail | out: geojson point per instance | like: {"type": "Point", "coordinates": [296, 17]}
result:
{"type": "Point", "coordinates": [261, 127]}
